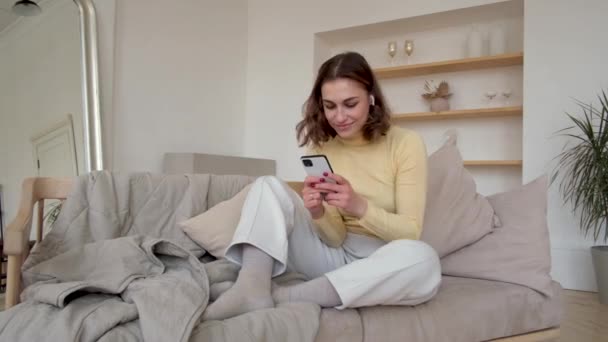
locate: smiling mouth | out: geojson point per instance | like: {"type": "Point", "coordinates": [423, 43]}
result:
{"type": "Point", "coordinates": [342, 127]}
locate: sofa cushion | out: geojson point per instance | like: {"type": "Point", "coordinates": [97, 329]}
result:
{"type": "Point", "coordinates": [213, 229]}
{"type": "Point", "coordinates": [297, 322]}
{"type": "Point", "coordinates": [464, 310]}
{"type": "Point", "coordinates": [456, 215]}
{"type": "Point", "coordinates": [518, 252]}
{"type": "Point", "coordinates": [339, 326]}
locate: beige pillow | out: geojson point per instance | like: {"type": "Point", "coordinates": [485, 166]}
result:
{"type": "Point", "coordinates": [213, 229]}
{"type": "Point", "coordinates": [518, 252]}
{"type": "Point", "coordinates": [456, 215]}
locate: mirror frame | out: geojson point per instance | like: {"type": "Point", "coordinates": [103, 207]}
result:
{"type": "Point", "coordinates": [92, 129]}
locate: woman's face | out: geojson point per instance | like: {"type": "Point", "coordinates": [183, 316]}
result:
{"type": "Point", "coordinates": [346, 106]}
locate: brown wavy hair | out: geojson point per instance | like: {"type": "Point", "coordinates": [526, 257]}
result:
{"type": "Point", "coordinates": [314, 128]}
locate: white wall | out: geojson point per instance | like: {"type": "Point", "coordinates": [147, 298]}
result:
{"type": "Point", "coordinates": [563, 43]}
{"type": "Point", "coordinates": [39, 85]}
{"type": "Point", "coordinates": [565, 58]}
{"type": "Point", "coordinates": [179, 80]}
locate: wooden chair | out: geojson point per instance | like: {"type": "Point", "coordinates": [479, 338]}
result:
{"type": "Point", "coordinates": [37, 190]}
{"type": "Point", "coordinates": [17, 239]}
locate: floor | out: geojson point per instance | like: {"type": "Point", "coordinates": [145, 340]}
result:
{"type": "Point", "coordinates": [585, 319]}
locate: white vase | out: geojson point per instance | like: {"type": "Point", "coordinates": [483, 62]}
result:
{"type": "Point", "coordinates": [439, 104]}
{"type": "Point", "coordinates": [475, 43]}
{"type": "Point", "coordinates": [498, 40]}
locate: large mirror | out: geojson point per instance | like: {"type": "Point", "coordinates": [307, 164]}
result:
{"type": "Point", "coordinates": [45, 101]}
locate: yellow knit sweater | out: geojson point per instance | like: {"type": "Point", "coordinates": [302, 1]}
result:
{"type": "Point", "coordinates": [391, 173]}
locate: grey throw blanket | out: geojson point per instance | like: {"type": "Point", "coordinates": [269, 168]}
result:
{"type": "Point", "coordinates": [152, 280]}
{"type": "Point", "coordinates": [115, 267]}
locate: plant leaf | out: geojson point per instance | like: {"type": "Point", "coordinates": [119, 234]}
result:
{"type": "Point", "coordinates": [582, 166]}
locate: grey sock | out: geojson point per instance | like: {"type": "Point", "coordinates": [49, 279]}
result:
{"type": "Point", "coordinates": [217, 289]}
{"type": "Point", "coordinates": [319, 291]}
{"type": "Point", "coordinates": [251, 291]}
{"type": "Point", "coordinates": [258, 262]}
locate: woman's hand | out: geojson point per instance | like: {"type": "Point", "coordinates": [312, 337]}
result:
{"type": "Point", "coordinates": [313, 199]}
{"type": "Point", "coordinates": [342, 195]}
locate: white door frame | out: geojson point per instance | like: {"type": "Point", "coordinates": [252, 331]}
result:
{"type": "Point", "coordinates": [61, 128]}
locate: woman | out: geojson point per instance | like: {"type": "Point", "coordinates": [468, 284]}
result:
{"type": "Point", "coordinates": [356, 239]}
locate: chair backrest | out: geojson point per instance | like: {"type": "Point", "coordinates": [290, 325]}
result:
{"type": "Point", "coordinates": [51, 188]}
{"type": "Point", "coordinates": [39, 189]}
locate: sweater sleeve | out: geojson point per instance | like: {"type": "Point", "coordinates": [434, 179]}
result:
{"type": "Point", "coordinates": [331, 227]}
{"type": "Point", "coordinates": [410, 161]}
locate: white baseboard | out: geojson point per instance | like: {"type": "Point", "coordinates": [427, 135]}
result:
{"type": "Point", "coordinates": [573, 268]}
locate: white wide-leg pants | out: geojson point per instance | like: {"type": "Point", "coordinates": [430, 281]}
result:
{"type": "Point", "coordinates": [364, 271]}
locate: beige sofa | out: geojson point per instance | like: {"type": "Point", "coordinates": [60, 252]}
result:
{"type": "Point", "coordinates": [465, 309]}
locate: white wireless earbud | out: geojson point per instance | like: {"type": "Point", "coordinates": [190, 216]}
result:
{"type": "Point", "coordinates": [372, 100]}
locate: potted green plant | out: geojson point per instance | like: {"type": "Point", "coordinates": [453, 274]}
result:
{"type": "Point", "coordinates": [583, 167]}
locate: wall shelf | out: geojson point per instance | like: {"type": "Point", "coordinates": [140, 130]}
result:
{"type": "Point", "coordinates": [517, 163]}
{"type": "Point", "coordinates": [463, 64]}
{"type": "Point", "coordinates": [460, 114]}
